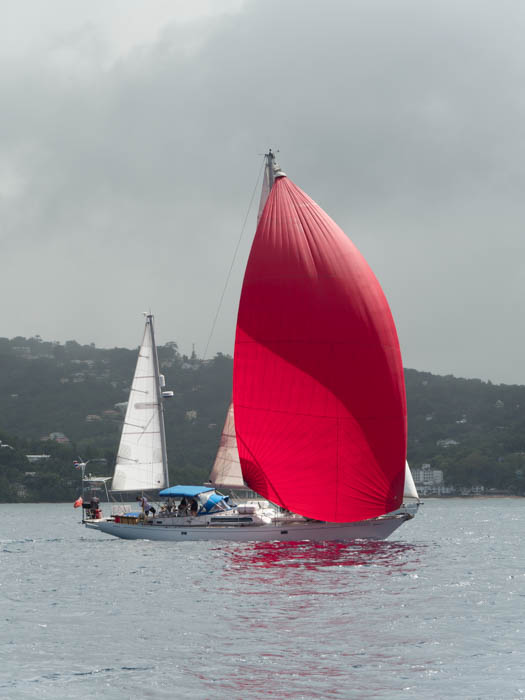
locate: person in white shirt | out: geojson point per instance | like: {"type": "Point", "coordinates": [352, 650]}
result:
{"type": "Point", "coordinates": [145, 505]}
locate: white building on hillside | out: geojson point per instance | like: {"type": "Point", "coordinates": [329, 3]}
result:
{"type": "Point", "coordinates": [430, 482]}
{"type": "Point", "coordinates": [426, 476]}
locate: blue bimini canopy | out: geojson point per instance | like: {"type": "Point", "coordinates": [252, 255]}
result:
{"type": "Point", "coordinates": [187, 491]}
{"type": "Point", "coordinates": [213, 500]}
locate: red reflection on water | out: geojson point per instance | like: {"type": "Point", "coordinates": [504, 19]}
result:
{"type": "Point", "coordinates": [303, 591]}
{"type": "Point", "coordinates": [316, 555]}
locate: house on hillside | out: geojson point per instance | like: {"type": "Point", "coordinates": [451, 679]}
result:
{"type": "Point", "coordinates": [22, 352]}
{"type": "Point", "coordinates": [447, 442]}
{"type": "Point", "coordinates": [37, 458]}
{"type": "Point", "coordinates": [56, 437]}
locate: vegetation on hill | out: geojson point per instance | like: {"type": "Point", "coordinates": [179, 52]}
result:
{"type": "Point", "coordinates": [76, 394]}
{"type": "Point", "coordinates": [474, 431]}
{"type": "Point", "coordinates": [67, 401]}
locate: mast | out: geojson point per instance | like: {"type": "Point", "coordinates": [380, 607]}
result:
{"type": "Point", "coordinates": [226, 471]}
{"type": "Point", "coordinates": [272, 171]}
{"type": "Point", "coordinates": [149, 319]}
{"type": "Point", "coordinates": [270, 159]}
{"type": "Point", "coordinates": [274, 167]}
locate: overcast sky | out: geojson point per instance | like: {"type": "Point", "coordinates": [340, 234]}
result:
{"type": "Point", "coordinates": [131, 134]}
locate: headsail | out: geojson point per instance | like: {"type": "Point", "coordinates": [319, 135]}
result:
{"type": "Point", "coordinates": [226, 472]}
{"type": "Point", "coordinates": [410, 490]}
{"type": "Point", "coordinates": [319, 395]}
{"type": "Point", "coordinates": [141, 459]}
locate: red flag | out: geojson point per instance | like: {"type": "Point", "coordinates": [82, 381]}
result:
{"type": "Point", "coordinates": [78, 502]}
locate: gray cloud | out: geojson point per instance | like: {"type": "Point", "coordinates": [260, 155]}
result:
{"type": "Point", "coordinates": [124, 182]}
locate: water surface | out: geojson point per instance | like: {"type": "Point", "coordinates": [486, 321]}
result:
{"type": "Point", "coordinates": [436, 612]}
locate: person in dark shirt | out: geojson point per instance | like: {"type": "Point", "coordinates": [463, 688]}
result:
{"type": "Point", "coordinates": [92, 506]}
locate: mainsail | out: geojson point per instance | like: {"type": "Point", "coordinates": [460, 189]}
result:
{"type": "Point", "coordinates": [318, 390]}
{"type": "Point", "coordinates": [141, 459]}
{"type": "Point", "coordinates": [226, 472]}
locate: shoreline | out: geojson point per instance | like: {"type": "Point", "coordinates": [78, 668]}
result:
{"type": "Point", "coordinates": [422, 499]}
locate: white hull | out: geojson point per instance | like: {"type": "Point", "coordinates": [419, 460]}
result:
{"type": "Point", "coordinates": [377, 529]}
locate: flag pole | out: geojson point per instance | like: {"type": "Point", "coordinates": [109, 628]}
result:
{"type": "Point", "coordinates": [82, 470]}
{"type": "Point", "coordinates": [82, 466]}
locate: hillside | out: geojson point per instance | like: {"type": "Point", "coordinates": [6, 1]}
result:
{"type": "Point", "coordinates": [474, 431]}
{"type": "Point", "coordinates": [64, 400]}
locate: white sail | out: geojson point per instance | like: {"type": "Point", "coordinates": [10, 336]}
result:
{"type": "Point", "coordinates": [410, 488]}
{"type": "Point", "coordinates": [141, 459]}
{"type": "Point", "coordinates": [226, 472]}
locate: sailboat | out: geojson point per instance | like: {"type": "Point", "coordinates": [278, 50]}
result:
{"type": "Point", "coordinates": [142, 462]}
{"type": "Point", "coordinates": [317, 424]}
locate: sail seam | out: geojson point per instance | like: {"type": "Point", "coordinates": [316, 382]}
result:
{"type": "Point", "coordinates": [284, 412]}
{"type": "Point", "coordinates": [267, 480]}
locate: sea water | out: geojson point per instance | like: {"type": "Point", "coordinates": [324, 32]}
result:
{"type": "Point", "coordinates": [435, 612]}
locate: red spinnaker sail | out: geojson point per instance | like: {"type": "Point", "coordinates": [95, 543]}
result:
{"type": "Point", "coordinates": [318, 386]}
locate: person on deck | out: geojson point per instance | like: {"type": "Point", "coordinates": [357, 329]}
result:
{"type": "Point", "coordinates": [145, 505]}
{"type": "Point", "coordinates": [95, 505]}
{"type": "Point", "coordinates": [194, 507]}
{"type": "Point", "coordinates": [183, 507]}
{"type": "Point", "coordinates": [92, 506]}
